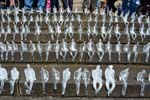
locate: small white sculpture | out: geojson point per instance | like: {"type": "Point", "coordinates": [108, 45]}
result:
{"type": "Point", "coordinates": [110, 79]}
{"type": "Point", "coordinates": [48, 48]}
{"type": "Point", "coordinates": [58, 30]}
{"type": "Point", "coordinates": [39, 48]}
{"type": "Point", "coordinates": [30, 78]}
{"type": "Point", "coordinates": [57, 49]}
{"type": "Point", "coordinates": [86, 78]}
{"type": "Point", "coordinates": [97, 79]}
{"type": "Point", "coordinates": [51, 30]}
{"type": "Point", "coordinates": [65, 79]}
{"type": "Point", "coordinates": [15, 49]}
{"type": "Point", "coordinates": [2, 49]}
{"type": "Point", "coordinates": [3, 78]}
{"type": "Point", "coordinates": [32, 49]}
{"type": "Point", "coordinates": [37, 30]}
{"type": "Point", "coordinates": [82, 50]}
{"type": "Point", "coordinates": [80, 31]}
{"type": "Point", "coordinates": [14, 78]}
{"type": "Point", "coordinates": [110, 32]}
{"type": "Point", "coordinates": [91, 50]}
{"type": "Point", "coordinates": [108, 47]}
{"type": "Point", "coordinates": [64, 49]}
{"type": "Point", "coordinates": [117, 32]}
{"type": "Point", "coordinates": [9, 49]}
{"type": "Point", "coordinates": [146, 50]}
{"type": "Point", "coordinates": [94, 31]}
{"type": "Point", "coordinates": [135, 51]}
{"type": "Point", "coordinates": [118, 50]}
{"type": "Point", "coordinates": [126, 31]}
{"type": "Point", "coordinates": [128, 51]}
{"type": "Point", "coordinates": [77, 78]}
{"type": "Point", "coordinates": [23, 49]}
{"type": "Point", "coordinates": [55, 77]}
{"type": "Point", "coordinates": [44, 77]}
{"type": "Point", "coordinates": [140, 78]}
{"type": "Point", "coordinates": [89, 31]}
{"type": "Point", "coordinates": [103, 32]}
{"type": "Point", "coordinates": [100, 51]}
{"type": "Point", "coordinates": [140, 19]}
{"type": "Point", "coordinates": [73, 49]}
{"type": "Point", "coordinates": [142, 33]}
{"type": "Point", "coordinates": [124, 77]}
{"type": "Point", "coordinates": [132, 32]}
{"type": "Point", "coordinates": [70, 30]}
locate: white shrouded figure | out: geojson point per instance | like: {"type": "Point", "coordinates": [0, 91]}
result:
{"type": "Point", "coordinates": [64, 49]}
{"type": "Point", "coordinates": [90, 48]}
{"type": "Point", "coordinates": [146, 50]}
{"type": "Point", "coordinates": [30, 78]}
{"type": "Point", "coordinates": [108, 47]}
{"type": "Point", "coordinates": [86, 78]}
{"type": "Point", "coordinates": [9, 49]}
{"type": "Point", "coordinates": [3, 78]}
{"type": "Point", "coordinates": [110, 79]}
{"type": "Point", "coordinates": [132, 32]}
{"type": "Point", "coordinates": [124, 77]}
{"type": "Point", "coordinates": [48, 48]}
{"type": "Point", "coordinates": [100, 51]}
{"type": "Point", "coordinates": [140, 78]}
{"type": "Point", "coordinates": [51, 30]}
{"type": "Point", "coordinates": [2, 50]}
{"type": "Point", "coordinates": [94, 30]}
{"type": "Point", "coordinates": [97, 79]}
{"type": "Point", "coordinates": [58, 30]}
{"type": "Point", "coordinates": [82, 50]}
{"type": "Point", "coordinates": [57, 49]}
{"type": "Point", "coordinates": [80, 31]}
{"type": "Point", "coordinates": [44, 77]}
{"type": "Point", "coordinates": [77, 78]}
{"type": "Point", "coordinates": [118, 50]}
{"type": "Point", "coordinates": [70, 30]}
{"type": "Point", "coordinates": [103, 31]}
{"type": "Point", "coordinates": [127, 50]}
{"type": "Point", "coordinates": [65, 79]}
{"type": "Point", "coordinates": [73, 49]}
{"type": "Point", "coordinates": [135, 51]}
{"type": "Point", "coordinates": [32, 49]}
{"type": "Point", "coordinates": [55, 77]}
{"type": "Point", "coordinates": [117, 32]}
{"type": "Point", "coordinates": [142, 33]}
{"type": "Point", "coordinates": [23, 49]}
{"type": "Point", "coordinates": [14, 78]}
{"type": "Point", "coordinates": [39, 48]}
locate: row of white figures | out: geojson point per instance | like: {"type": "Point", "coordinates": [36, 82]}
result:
{"type": "Point", "coordinates": [124, 17]}
{"type": "Point", "coordinates": [68, 30]}
{"type": "Point", "coordinates": [62, 48]}
{"type": "Point", "coordinates": [79, 75]}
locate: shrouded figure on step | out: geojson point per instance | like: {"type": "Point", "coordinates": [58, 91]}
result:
{"type": "Point", "coordinates": [55, 77]}
{"type": "Point", "coordinates": [140, 78]}
{"type": "Point", "coordinates": [30, 77]}
{"type": "Point", "coordinates": [123, 77]}
{"type": "Point", "coordinates": [110, 79]}
{"type": "Point", "coordinates": [3, 78]}
{"type": "Point", "coordinates": [97, 79]}
{"type": "Point", "coordinates": [65, 79]}
{"type": "Point", "coordinates": [14, 79]}
{"type": "Point", "coordinates": [77, 78]}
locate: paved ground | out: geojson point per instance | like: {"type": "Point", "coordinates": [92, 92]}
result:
{"type": "Point", "coordinates": [51, 98]}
